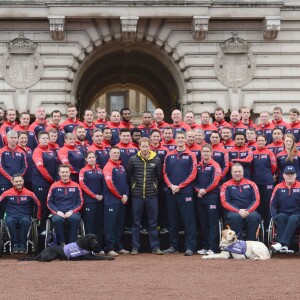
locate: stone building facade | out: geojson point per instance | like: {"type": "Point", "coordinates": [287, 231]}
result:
{"type": "Point", "coordinates": [192, 54]}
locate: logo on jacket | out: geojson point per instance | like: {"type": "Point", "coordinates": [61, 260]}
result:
{"type": "Point", "coordinates": [187, 199]}
{"type": "Point", "coordinates": [72, 189]}
{"type": "Point", "coordinates": [23, 198]}
{"type": "Point", "coordinates": [185, 157]}
{"type": "Point", "coordinates": [246, 186]}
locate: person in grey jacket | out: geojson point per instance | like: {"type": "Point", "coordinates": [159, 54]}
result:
{"type": "Point", "coordinates": [144, 171]}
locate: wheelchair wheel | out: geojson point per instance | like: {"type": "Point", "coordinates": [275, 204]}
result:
{"type": "Point", "coordinates": [260, 236]}
{"type": "Point", "coordinates": [81, 230]}
{"type": "Point", "coordinates": [34, 237]}
{"type": "Point", "coordinates": [271, 233]}
{"type": "Point", "coordinates": [1, 235]}
{"type": "Point", "coordinates": [47, 236]}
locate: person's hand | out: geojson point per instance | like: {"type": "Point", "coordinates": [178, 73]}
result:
{"type": "Point", "coordinates": [99, 197]}
{"type": "Point", "coordinates": [61, 214]}
{"type": "Point", "coordinates": [201, 193]}
{"type": "Point", "coordinates": [38, 223]}
{"type": "Point", "coordinates": [124, 199]}
{"type": "Point", "coordinates": [68, 214]}
{"type": "Point", "coordinates": [175, 189]}
{"type": "Point", "coordinates": [243, 213]}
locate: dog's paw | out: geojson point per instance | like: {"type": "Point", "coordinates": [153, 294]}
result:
{"type": "Point", "coordinates": [206, 257]}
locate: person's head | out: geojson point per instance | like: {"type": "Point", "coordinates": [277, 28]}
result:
{"type": "Point", "coordinates": [294, 115]}
{"type": "Point", "coordinates": [64, 172]}
{"type": "Point", "coordinates": [205, 116]}
{"type": "Point", "coordinates": [226, 133]}
{"type": "Point", "coordinates": [88, 116]}
{"type": "Point", "coordinates": [261, 141]}
{"type": "Point", "coordinates": [53, 135]}
{"type": "Point", "coordinates": [158, 115]}
{"type": "Point", "coordinates": [219, 114]}
{"type": "Point", "coordinates": [214, 138]}
{"type": "Point", "coordinates": [40, 113]}
{"type": "Point", "coordinates": [168, 133]}
{"type": "Point", "coordinates": [245, 113]}
{"type": "Point", "coordinates": [90, 158]}
{"type": "Point", "coordinates": [114, 153]}
{"type": "Point", "coordinates": [97, 136]}
{"type": "Point", "coordinates": [56, 117]}
{"type": "Point", "coordinates": [12, 138]}
{"type": "Point", "coordinates": [146, 118]}
{"type": "Point", "coordinates": [176, 116]}
{"type": "Point", "coordinates": [107, 134]}
{"type": "Point", "coordinates": [190, 137]}
{"type": "Point", "coordinates": [277, 134]}
{"type": "Point", "coordinates": [17, 181]}
{"type": "Point", "coordinates": [136, 135]}
{"type": "Point", "coordinates": [199, 136]}
{"type": "Point", "coordinates": [250, 134]}
{"type": "Point", "coordinates": [11, 115]}
{"type": "Point", "coordinates": [237, 172]}
{"type": "Point", "coordinates": [277, 113]}
{"type": "Point", "coordinates": [43, 138]}
{"type": "Point", "coordinates": [289, 142]}
{"type": "Point", "coordinates": [180, 139]}
{"type": "Point", "coordinates": [70, 139]}
{"type": "Point", "coordinates": [23, 138]}
{"type": "Point", "coordinates": [155, 136]}
{"type": "Point", "coordinates": [240, 139]}
{"type": "Point", "coordinates": [71, 111]}
{"type": "Point", "coordinates": [235, 117]}
{"type": "Point", "coordinates": [115, 116]}
{"type": "Point", "coordinates": [80, 133]}
{"type": "Point", "coordinates": [144, 145]}
{"type": "Point", "coordinates": [125, 114]}
{"type": "Point", "coordinates": [289, 175]}
{"type": "Point", "coordinates": [125, 136]}
{"type": "Point", "coordinates": [101, 112]}
{"type": "Point", "coordinates": [264, 117]}
{"type": "Point", "coordinates": [24, 118]}
{"type": "Point", "coordinates": [189, 117]}
{"type": "Point", "coordinates": [206, 152]}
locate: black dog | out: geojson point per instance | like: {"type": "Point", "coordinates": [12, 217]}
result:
{"type": "Point", "coordinates": [82, 249]}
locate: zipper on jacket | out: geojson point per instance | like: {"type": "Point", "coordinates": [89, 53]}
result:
{"type": "Point", "coordinates": [144, 185]}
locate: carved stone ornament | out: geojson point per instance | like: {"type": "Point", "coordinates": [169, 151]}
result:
{"type": "Point", "coordinates": [57, 27]}
{"type": "Point", "coordinates": [129, 27]}
{"type": "Point", "coordinates": [21, 67]}
{"type": "Point", "coordinates": [271, 27]}
{"type": "Point", "coordinates": [200, 27]}
{"type": "Point", "coordinates": [235, 64]}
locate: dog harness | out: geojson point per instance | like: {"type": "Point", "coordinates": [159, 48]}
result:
{"type": "Point", "coordinates": [239, 247]}
{"type": "Point", "coordinates": [72, 250]}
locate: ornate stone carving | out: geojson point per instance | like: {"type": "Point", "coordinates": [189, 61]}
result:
{"type": "Point", "coordinates": [235, 64]}
{"type": "Point", "coordinates": [271, 27]}
{"type": "Point", "coordinates": [21, 67]}
{"type": "Point", "coordinates": [57, 27]}
{"type": "Point", "coordinates": [200, 27]}
{"type": "Point", "coordinates": [129, 27]}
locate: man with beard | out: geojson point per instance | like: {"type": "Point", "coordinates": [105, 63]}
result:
{"type": "Point", "coordinates": [81, 143]}
{"type": "Point", "coordinates": [88, 124]}
{"type": "Point", "coordinates": [136, 135]}
{"type": "Point", "coordinates": [147, 125]}
{"type": "Point", "coordinates": [55, 124]}
{"type": "Point", "coordinates": [126, 117]}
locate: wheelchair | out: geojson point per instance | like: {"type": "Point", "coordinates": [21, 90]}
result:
{"type": "Point", "coordinates": [272, 236]}
{"type": "Point", "coordinates": [31, 243]}
{"type": "Point", "coordinates": [50, 237]}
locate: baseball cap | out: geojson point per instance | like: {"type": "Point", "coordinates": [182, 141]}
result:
{"type": "Point", "coordinates": [289, 169]}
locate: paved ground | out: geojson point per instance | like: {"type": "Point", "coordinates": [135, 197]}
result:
{"type": "Point", "coordinates": [147, 276]}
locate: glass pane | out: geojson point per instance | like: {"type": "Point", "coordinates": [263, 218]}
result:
{"type": "Point", "coordinates": [150, 106]}
{"type": "Point", "coordinates": [116, 102]}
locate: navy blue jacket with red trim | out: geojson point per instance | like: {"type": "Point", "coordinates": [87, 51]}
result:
{"type": "Point", "coordinates": [221, 156]}
{"type": "Point", "coordinates": [266, 130]}
{"type": "Point", "coordinates": [295, 130]}
{"type": "Point", "coordinates": [64, 197]}
{"type": "Point", "coordinates": [126, 151]}
{"type": "Point", "coordinates": [240, 195]}
{"type": "Point", "coordinates": [60, 134]}
{"type": "Point", "coordinates": [276, 147]}
{"type": "Point", "coordinates": [71, 156]}
{"type": "Point", "coordinates": [180, 169]}
{"type": "Point", "coordinates": [160, 151]}
{"type": "Point", "coordinates": [101, 124]}
{"type": "Point", "coordinates": [171, 145]}
{"type": "Point", "coordinates": [282, 163]}
{"type": "Point", "coordinates": [38, 127]}
{"type": "Point", "coordinates": [285, 200]}
{"type": "Point", "coordinates": [115, 130]}
{"type": "Point", "coordinates": [89, 131]}
{"type": "Point", "coordinates": [20, 203]}
{"type": "Point", "coordinates": [28, 154]}
{"type": "Point", "coordinates": [101, 153]}
{"type": "Point", "coordinates": [69, 125]}
{"type": "Point", "coordinates": [82, 146]}
{"type": "Point", "coordinates": [91, 183]}
{"type": "Point", "coordinates": [32, 140]}
{"type": "Point", "coordinates": [115, 183]}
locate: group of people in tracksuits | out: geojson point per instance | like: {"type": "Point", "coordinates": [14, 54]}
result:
{"type": "Point", "coordinates": [189, 176]}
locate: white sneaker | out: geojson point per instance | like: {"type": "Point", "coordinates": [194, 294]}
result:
{"type": "Point", "coordinates": [43, 233]}
{"type": "Point", "coordinates": [210, 252]}
{"type": "Point", "coordinates": [202, 251]}
{"type": "Point", "coordinates": [276, 247]}
{"type": "Point", "coordinates": [285, 249]}
{"type": "Point", "coordinates": [112, 253]}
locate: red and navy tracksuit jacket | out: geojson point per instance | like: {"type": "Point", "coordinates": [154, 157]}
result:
{"type": "Point", "coordinates": [69, 125]}
{"type": "Point", "coordinates": [106, 145]}
{"type": "Point", "coordinates": [60, 134]}
{"type": "Point", "coordinates": [126, 151]}
{"type": "Point", "coordinates": [195, 148]}
{"type": "Point", "coordinates": [115, 139]}
{"type": "Point", "coordinates": [228, 144]}
{"type": "Point", "coordinates": [282, 125]}
{"type": "Point", "coordinates": [221, 124]}
{"type": "Point", "coordinates": [115, 183]}
{"type": "Point", "coordinates": [44, 169]}
{"type": "Point", "coordinates": [180, 127]}
{"type": "Point", "coordinates": [89, 131]}
{"type": "Point", "coordinates": [264, 166]}
{"type": "Point", "coordinates": [32, 140]}
{"type": "Point", "coordinates": [180, 168]}
{"type": "Point", "coordinates": [20, 203]}
{"type": "Point", "coordinates": [282, 163]}
{"type": "Point", "coordinates": [221, 156]}
{"type": "Point", "coordinates": [171, 145]}
{"type": "Point", "coordinates": [146, 131]}
{"type": "Point", "coordinates": [162, 125]}
{"type": "Point", "coordinates": [240, 195]}
{"type": "Point", "coordinates": [208, 129]}
{"type": "Point", "coordinates": [250, 124]}
{"type": "Point", "coordinates": [127, 125]}
{"type": "Point", "coordinates": [285, 200]}
{"type": "Point", "coordinates": [160, 151]}
{"type": "Point", "coordinates": [101, 153]}
{"type": "Point", "coordinates": [82, 146]}
{"type": "Point", "coordinates": [276, 147]}
{"type": "Point", "coordinates": [239, 127]}
{"type": "Point", "coordinates": [64, 197]}
{"type": "Point", "coordinates": [208, 177]}
{"type": "Point", "coordinates": [28, 154]}
{"type": "Point", "coordinates": [252, 145]}
{"type": "Point", "coordinates": [91, 183]}
{"type": "Point", "coordinates": [5, 128]}
{"type": "Point", "coordinates": [71, 156]}
{"type": "Point", "coordinates": [101, 124]}
{"type": "Point", "coordinates": [242, 155]}
{"type": "Point", "coordinates": [54, 147]}
{"type": "Point", "coordinates": [37, 127]}
{"type": "Point", "coordinates": [295, 130]}
{"type": "Point", "coordinates": [266, 130]}
{"type": "Point", "coordinates": [12, 161]}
